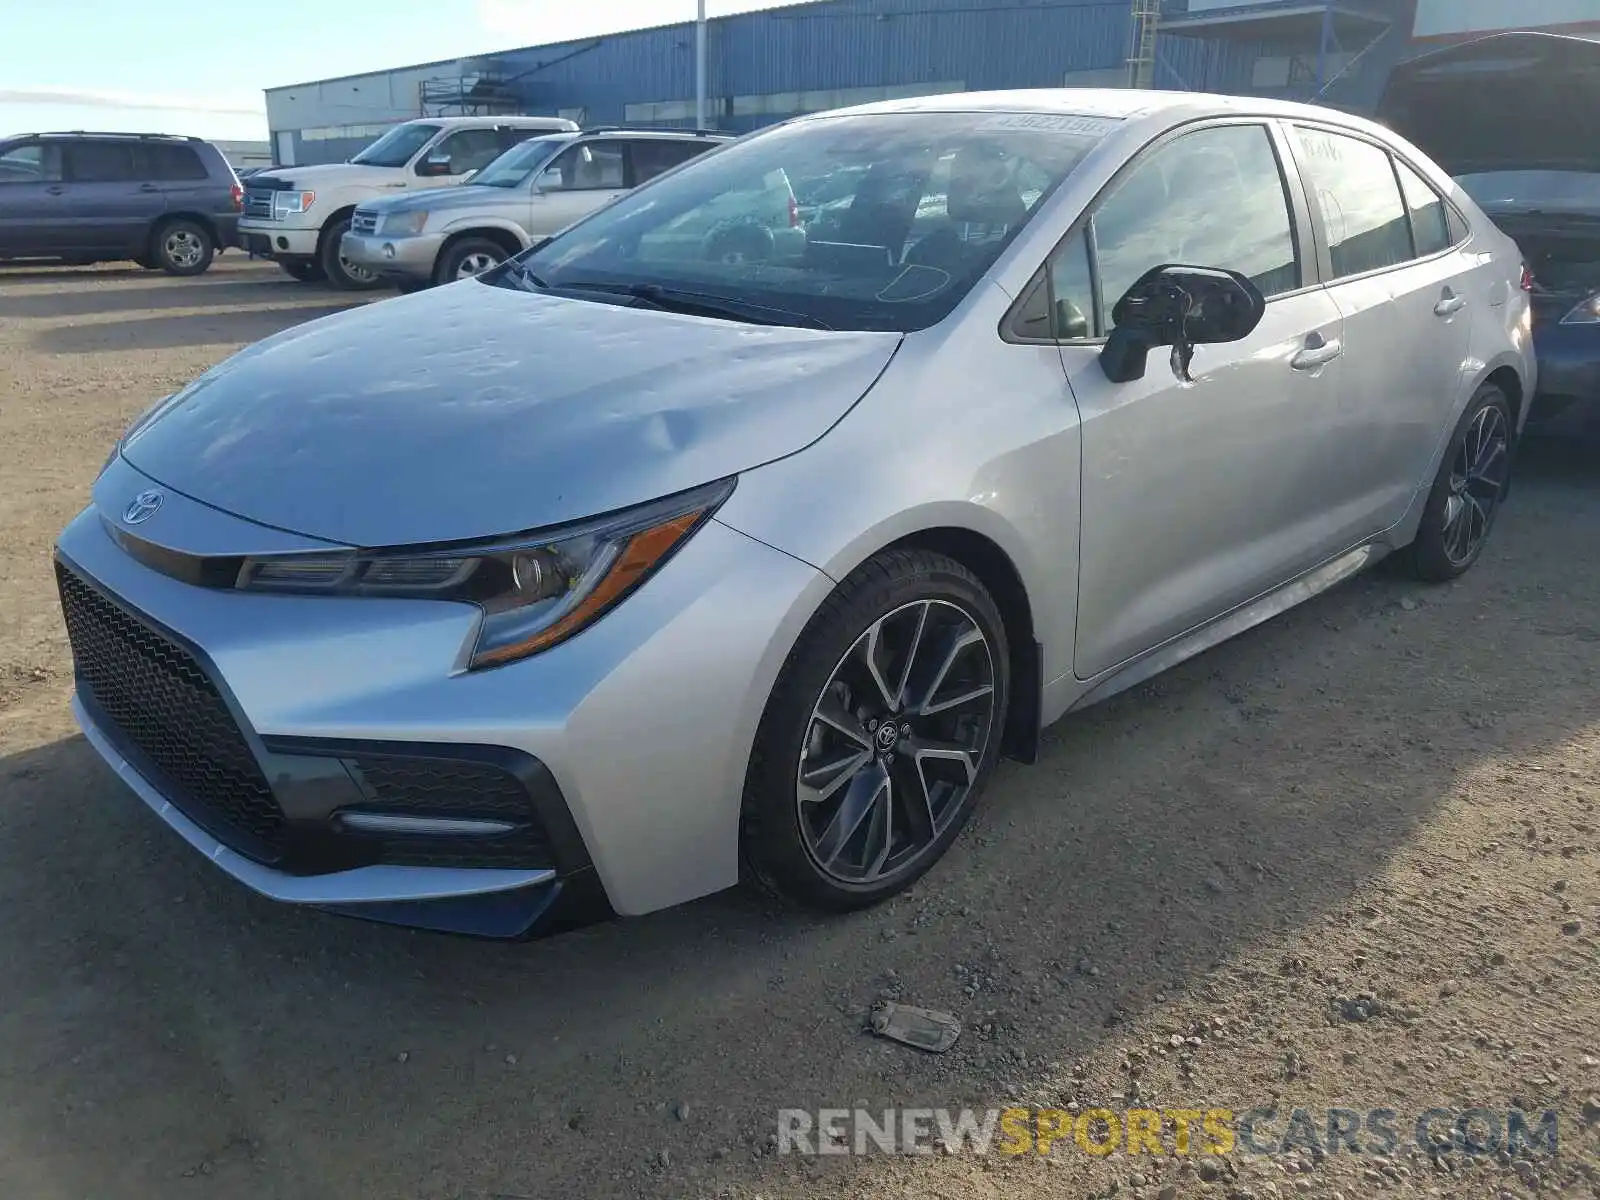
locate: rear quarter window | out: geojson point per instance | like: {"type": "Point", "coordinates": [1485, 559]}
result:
{"type": "Point", "coordinates": [173, 163]}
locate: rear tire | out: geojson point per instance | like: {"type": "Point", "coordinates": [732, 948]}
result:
{"type": "Point", "coordinates": [340, 271]}
{"type": "Point", "coordinates": [182, 247]}
{"type": "Point", "coordinates": [303, 270]}
{"type": "Point", "coordinates": [469, 257]}
{"type": "Point", "coordinates": [1467, 492]}
{"type": "Point", "coordinates": [862, 776]}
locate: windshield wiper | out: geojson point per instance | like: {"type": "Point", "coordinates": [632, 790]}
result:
{"type": "Point", "coordinates": [525, 275]}
{"type": "Point", "coordinates": [703, 304]}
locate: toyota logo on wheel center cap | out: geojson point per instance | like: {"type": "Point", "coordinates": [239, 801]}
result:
{"type": "Point", "coordinates": [142, 507]}
{"type": "Point", "coordinates": [888, 735]}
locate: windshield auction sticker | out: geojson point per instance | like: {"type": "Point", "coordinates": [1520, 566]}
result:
{"type": "Point", "coordinates": [1051, 123]}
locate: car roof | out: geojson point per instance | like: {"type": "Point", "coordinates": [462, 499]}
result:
{"type": "Point", "coordinates": [1116, 104]}
{"type": "Point", "coordinates": [449, 122]}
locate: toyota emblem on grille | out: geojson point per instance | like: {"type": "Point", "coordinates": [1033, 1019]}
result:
{"type": "Point", "coordinates": [142, 507]}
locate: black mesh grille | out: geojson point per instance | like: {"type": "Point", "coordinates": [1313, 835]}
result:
{"type": "Point", "coordinates": [438, 787]}
{"type": "Point", "coordinates": [162, 705]}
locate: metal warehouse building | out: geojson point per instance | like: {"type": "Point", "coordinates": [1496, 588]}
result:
{"type": "Point", "coordinates": [769, 65]}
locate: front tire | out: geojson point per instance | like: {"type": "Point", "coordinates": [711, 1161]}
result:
{"type": "Point", "coordinates": [1467, 492]}
{"type": "Point", "coordinates": [183, 247]}
{"type": "Point", "coordinates": [467, 258]}
{"type": "Point", "coordinates": [880, 733]}
{"type": "Point", "coordinates": [340, 271]}
{"type": "Point", "coordinates": [302, 270]}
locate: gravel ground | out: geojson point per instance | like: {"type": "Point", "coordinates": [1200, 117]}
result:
{"type": "Point", "coordinates": [1349, 859]}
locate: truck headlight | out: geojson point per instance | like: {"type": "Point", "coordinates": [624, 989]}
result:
{"type": "Point", "coordinates": [284, 203]}
{"type": "Point", "coordinates": [403, 224]}
{"type": "Point", "coordinates": [535, 591]}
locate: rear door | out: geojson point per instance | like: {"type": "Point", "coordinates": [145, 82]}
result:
{"type": "Point", "coordinates": [649, 157]}
{"type": "Point", "coordinates": [33, 201]}
{"type": "Point", "coordinates": [175, 168]}
{"type": "Point", "coordinates": [1406, 297]}
{"type": "Point", "coordinates": [111, 205]}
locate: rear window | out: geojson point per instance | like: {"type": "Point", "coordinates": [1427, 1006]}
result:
{"type": "Point", "coordinates": [1366, 219]}
{"type": "Point", "coordinates": [902, 214]}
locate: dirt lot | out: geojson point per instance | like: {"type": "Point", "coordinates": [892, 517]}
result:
{"type": "Point", "coordinates": [1391, 792]}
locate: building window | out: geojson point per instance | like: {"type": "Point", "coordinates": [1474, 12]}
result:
{"type": "Point", "coordinates": [784, 104]}
{"type": "Point", "coordinates": [1099, 77]}
{"type": "Point", "coordinates": [339, 133]}
{"type": "Point", "coordinates": [658, 111]}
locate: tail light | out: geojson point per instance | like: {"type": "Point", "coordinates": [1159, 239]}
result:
{"type": "Point", "coordinates": [1527, 278]}
{"type": "Point", "coordinates": [238, 198]}
{"type": "Point", "coordinates": [794, 212]}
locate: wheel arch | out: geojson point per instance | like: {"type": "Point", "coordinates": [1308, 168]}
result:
{"type": "Point", "coordinates": [344, 213]}
{"type": "Point", "coordinates": [183, 214]}
{"type": "Point", "coordinates": [1000, 577]}
{"type": "Point", "coordinates": [505, 238]}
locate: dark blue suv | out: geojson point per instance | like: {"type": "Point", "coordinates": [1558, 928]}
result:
{"type": "Point", "coordinates": [167, 203]}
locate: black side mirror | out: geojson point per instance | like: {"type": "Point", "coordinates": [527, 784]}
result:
{"type": "Point", "coordinates": [1182, 307]}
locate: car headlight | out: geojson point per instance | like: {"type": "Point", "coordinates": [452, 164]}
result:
{"type": "Point", "coordinates": [404, 224]}
{"type": "Point", "coordinates": [284, 203]}
{"type": "Point", "coordinates": [535, 591]}
{"type": "Point", "coordinates": [1587, 313]}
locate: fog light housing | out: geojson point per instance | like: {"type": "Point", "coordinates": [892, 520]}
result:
{"type": "Point", "coordinates": [388, 249]}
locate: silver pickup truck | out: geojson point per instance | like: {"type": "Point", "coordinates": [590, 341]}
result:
{"type": "Point", "coordinates": [531, 191]}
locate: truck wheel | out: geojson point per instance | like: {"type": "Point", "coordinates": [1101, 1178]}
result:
{"type": "Point", "coordinates": [341, 272]}
{"type": "Point", "coordinates": [466, 258]}
{"type": "Point", "coordinates": [182, 247]}
{"type": "Point", "coordinates": [305, 270]}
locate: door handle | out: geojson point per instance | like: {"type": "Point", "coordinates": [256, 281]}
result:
{"type": "Point", "coordinates": [148, 187]}
{"type": "Point", "coordinates": [1450, 305]}
{"type": "Point", "coordinates": [55, 189]}
{"type": "Point", "coordinates": [1316, 356]}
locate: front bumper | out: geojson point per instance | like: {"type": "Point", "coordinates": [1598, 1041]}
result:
{"type": "Point", "coordinates": [410, 258]}
{"type": "Point", "coordinates": [273, 239]}
{"type": "Point", "coordinates": [639, 728]}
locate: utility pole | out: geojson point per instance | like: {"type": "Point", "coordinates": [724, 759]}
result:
{"type": "Point", "coordinates": [700, 68]}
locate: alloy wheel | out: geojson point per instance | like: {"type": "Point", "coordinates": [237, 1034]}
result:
{"type": "Point", "coordinates": [1478, 475]}
{"type": "Point", "coordinates": [476, 263]}
{"type": "Point", "coordinates": [895, 741]}
{"type": "Point", "coordinates": [357, 273]}
{"type": "Point", "coordinates": [184, 248]}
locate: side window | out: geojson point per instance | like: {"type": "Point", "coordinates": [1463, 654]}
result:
{"type": "Point", "coordinates": [654, 157]}
{"type": "Point", "coordinates": [1430, 228]}
{"type": "Point", "coordinates": [101, 162]}
{"type": "Point", "coordinates": [172, 163]}
{"type": "Point", "coordinates": [1212, 198]}
{"type": "Point", "coordinates": [506, 137]}
{"type": "Point", "coordinates": [468, 149]}
{"type": "Point", "coordinates": [1061, 305]}
{"type": "Point", "coordinates": [589, 167]}
{"type": "Point", "coordinates": [1361, 206]}
{"type": "Point", "coordinates": [1459, 229]}
{"type": "Point", "coordinates": [30, 162]}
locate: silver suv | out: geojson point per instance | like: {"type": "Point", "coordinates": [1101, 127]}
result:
{"type": "Point", "coordinates": [531, 191]}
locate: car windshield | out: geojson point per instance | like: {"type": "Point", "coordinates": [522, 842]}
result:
{"type": "Point", "coordinates": [519, 164]}
{"type": "Point", "coordinates": [396, 148]}
{"type": "Point", "coordinates": [915, 208]}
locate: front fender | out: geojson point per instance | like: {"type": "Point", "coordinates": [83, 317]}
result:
{"type": "Point", "coordinates": [482, 225]}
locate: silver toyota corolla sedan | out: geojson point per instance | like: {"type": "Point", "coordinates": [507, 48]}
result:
{"type": "Point", "coordinates": [627, 570]}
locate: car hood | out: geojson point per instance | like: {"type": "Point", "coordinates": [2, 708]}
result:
{"type": "Point", "coordinates": [442, 199]}
{"type": "Point", "coordinates": [1507, 102]}
{"type": "Point", "coordinates": [312, 177]}
{"type": "Point", "coordinates": [474, 410]}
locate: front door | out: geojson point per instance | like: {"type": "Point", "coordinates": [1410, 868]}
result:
{"type": "Point", "coordinates": [33, 208]}
{"type": "Point", "coordinates": [578, 180]}
{"type": "Point", "coordinates": [1198, 494]}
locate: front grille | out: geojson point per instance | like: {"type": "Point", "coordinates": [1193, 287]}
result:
{"type": "Point", "coordinates": [162, 707]}
{"type": "Point", "coordinates": [440, 787]}
{"type": "Point", "coordinates": [365, 221]}
{"type": "Point", "coordinates": [258, 204]}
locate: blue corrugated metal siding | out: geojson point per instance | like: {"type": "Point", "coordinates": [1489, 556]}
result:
{"type": "Point", "coordinates": [840, 44]}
